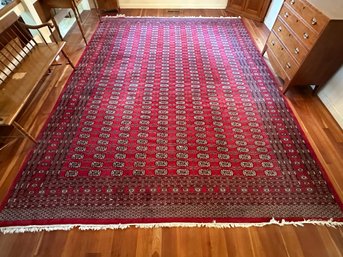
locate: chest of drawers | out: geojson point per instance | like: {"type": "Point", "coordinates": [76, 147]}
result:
{"type": "Point", "coordinates": [305, 46]}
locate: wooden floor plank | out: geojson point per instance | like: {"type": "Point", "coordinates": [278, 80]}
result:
{"type": "Point", "coordinates": [337, 237]}
{"type": "Point", "coordinates": [323, 132]}
{"type": "Point", "coordinates": [125, 242]}
{"type": "Point", "coordinates": [238, 242]}
{"type": "Point", "coordinates": [169, 242]}
{"type": "Point", "coordinates": [312, 243]}
{"type": "Point", "coordinates": [291, 242]}
{"type": "Point", "coordinates": [218, 246]}
{"type": "Point", "coordinates": [191, 242]}
{"type": "Point", "coordinates": [57, 239]}
{"type": "Point", "coordinates": [21, 245]}
{"type": "Point", "coordinates": [267, 242]}
{"type": "Point", "coordinates": [332, 248]}
{"type": "Point", "coordinates": [149, 242]}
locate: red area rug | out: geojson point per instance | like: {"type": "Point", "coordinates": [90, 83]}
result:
{"type": "Point", "coordinates": [170, 120]}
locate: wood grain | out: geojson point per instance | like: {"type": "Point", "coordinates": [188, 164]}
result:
{"type": "Point", "coordinates": [324, 135]}
{"type": "Point", "coordinates": [106, 5]}
{"type": "Point", "coordinates": [301, 24]}
{"type": "Point", "coordinates": [252, 9]}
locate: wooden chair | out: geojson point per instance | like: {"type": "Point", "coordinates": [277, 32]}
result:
{"type": "Point", "coordinates": [49, 5]}
{"type": "Point", "coordinates": [24, 60]}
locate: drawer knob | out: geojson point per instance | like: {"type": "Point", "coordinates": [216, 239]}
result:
{"type": "Point", "coordinates": [286, 14]}
{"type": "Point", "coordinates": [292, 1]}
{"type": "Point", "coordinates": [279, 29]}
{"type": "Point", "coordinates": [273, 43]}
{"type": "Point", "coordinates": [306, 36]}
{"type": "Point", "coordinates": [314, 21]}
{"type": "Point", "coordinates": [296, 50]}
{"type": "Point", "coordinates": [288, 65]}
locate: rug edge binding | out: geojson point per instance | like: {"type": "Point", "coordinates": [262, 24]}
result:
{"type": "Point", "coordinates": [98, 227]}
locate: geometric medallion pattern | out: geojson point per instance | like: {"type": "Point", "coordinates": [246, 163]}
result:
{"type": "Point", "coordinates": [170, 120]}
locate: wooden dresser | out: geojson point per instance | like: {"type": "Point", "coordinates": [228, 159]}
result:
{"type": "Point", "coordinates": [305, 46]}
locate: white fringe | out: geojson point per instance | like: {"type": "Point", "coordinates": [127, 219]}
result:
{"type": "Point", "coordinates": [173, 17]}
{"type": "Point", "coordinates": [96, 227]}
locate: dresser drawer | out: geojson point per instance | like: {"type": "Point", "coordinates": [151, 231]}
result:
{"type": "Point", "coordinates": [304, 33]}
{"type": "Point", "coordinates": [286, 61]}
{"type": "Point", "coordinates": [276, 65]}
{"type": "Point", "coordinates": [297, 50]}
{"type": "Point", "coordinates": [312, 16]}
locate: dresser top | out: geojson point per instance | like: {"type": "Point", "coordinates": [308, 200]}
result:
{"type": "Point", "coordinates": [333, 9]}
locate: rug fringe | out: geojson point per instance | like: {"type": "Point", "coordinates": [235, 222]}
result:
{"type": "Point", "coordinates": [36, 228]}
{"type": "Point", "coordinates": [97, 227]}
{"type": "Point", "coordinates": [181, 17]}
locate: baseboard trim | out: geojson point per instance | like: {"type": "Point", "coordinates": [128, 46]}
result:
{"type": "Point", "coordinates": [171, 6]}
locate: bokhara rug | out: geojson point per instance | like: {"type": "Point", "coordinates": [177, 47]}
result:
{"type": "Point", "coordinates": [165, 121]}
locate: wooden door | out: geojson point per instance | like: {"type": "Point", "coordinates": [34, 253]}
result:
{"type": "Point", "coordinates": [252, 9]}
{"type": "Point", "coordinates": [108, 5]}
{"type": "Point", "coordinates": [237, 5]}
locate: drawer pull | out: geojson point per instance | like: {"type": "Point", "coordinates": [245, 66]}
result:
{"type": "Point", "coordinates": [296, 50]}
{"type": "Point", "coordinates": [306, 36]}
{"type": "Point", "coordinates": [279, 29]}
{"type": "Point", "coordinates": [286, 15]}
{"type": "Point", "coordinates": [314, 21]}
{"type": "Point", "coordinates": [292, 1]}
{"type": "Point", "coordinates": [288, 65]}
{"type": "Point", "coordinates": [273, 43]}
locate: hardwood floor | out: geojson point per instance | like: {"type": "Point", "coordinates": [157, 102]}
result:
{"type": "Point", "coordinates": [309, 241]}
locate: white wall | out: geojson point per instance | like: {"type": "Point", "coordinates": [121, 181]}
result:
{"type": "Point", "coordinates": [272, 13]}
{"type": "Point", "coordinates": [177, 4]}
{"type": "Point", "coordinates": [332, 96]}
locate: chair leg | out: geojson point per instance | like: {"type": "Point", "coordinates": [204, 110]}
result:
{"type": "Point", "coordinates": [77, 12]}
{"type": "Point", "coordinates": [79, 24]}
{"type": "Point", "coordinates": [23, 131]}
{"type": "Point", "coordinates": [68, 59]}
{"type": "Point", "coordinates": [57, 28]}
{"type": "Point", "coordinates": [97, 9]}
